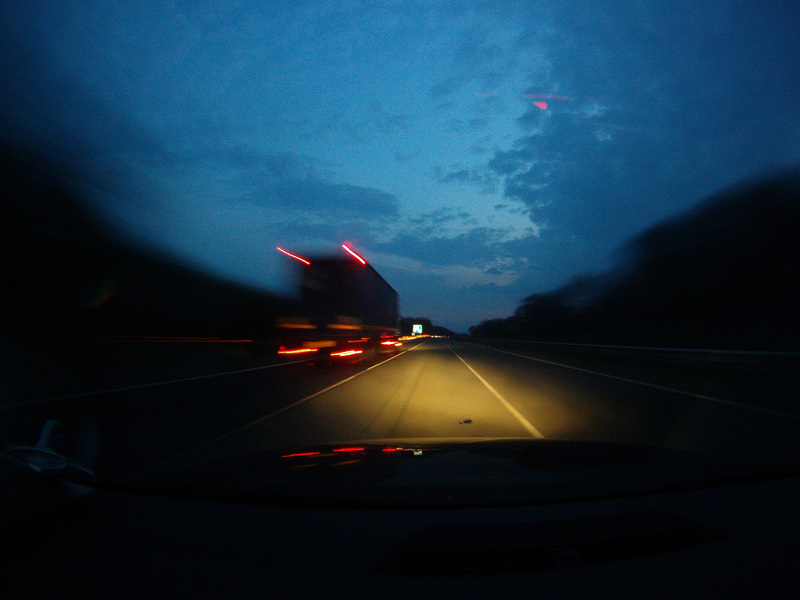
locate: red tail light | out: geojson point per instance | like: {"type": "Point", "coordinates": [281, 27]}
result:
{"type": "Point", "coordinates": [296, 350]}
{"type": "Point", "coordinates": [347, 353]}
{"type": "Point", "coordinates": [300, 454]}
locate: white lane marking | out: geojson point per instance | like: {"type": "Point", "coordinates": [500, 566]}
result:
{"type": "Point", "coordinates": [264, 418]}
{"type": "Point", "coordinates": [319, 393]}
{"type": "Point", "coordinates": [768, 411]}
{"type": "Point", "coordinates": [768, 353]}
{"type": "Point", "coordinates": [523, 421]}
{"type": "Point", "coordinates": [147, 385]}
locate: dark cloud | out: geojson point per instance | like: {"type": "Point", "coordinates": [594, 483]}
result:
{"type": "Point", "coordinates": [289, 183]}
{"type": "Point", "coordinates": [485, 179]}
{"type": "Point", "coordinates": [389, 122]}
{"type": "Point", "coordinates": [480, 244]}
{"type": "Point", "coordinates": [653, 124]}
{"type": "Point", "coordinates": [481, 146]}
{"type": "Point", "coordinates": [589, 185]}
{"type": "Point", "coordinates": [474, 53]}
{"type": "Point", "coordinates": [437, 217]}
{"type": "Point", "coordinates": [333, 199]}
{"type": "Point", "coordinates": [431, 224]}
{"type": "Point", "coordinates": [508, 162]}
{"type": "Point", "coordinates": [448, 86]}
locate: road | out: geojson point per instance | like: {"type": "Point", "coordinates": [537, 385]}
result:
{"type": "Point", "coordinates": [432, 389]}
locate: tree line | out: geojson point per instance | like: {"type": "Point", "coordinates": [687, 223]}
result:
{"type": "Point", "coordinates": [725, 274]}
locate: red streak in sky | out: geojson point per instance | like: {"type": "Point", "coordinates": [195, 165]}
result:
{"type": "Point", "coordinates": [358, 258]}
{"type": "Point", "coordinates": [302, 260]}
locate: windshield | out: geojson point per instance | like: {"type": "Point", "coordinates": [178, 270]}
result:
{"type": "Point", "coordinates": [301, 228]}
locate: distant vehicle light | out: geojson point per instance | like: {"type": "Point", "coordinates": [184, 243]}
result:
{"type": "Point", "coordinates": [389, 343]}
{"type": "Point", "coordinates": [357, 257]}
{"type": "Point", "coordinates": [349, 449]}
{"type": "Point", "coordinates": [287, 253]}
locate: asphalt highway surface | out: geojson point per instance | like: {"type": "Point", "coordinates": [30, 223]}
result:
{"type": "Point", "coordinates": [433, 388]}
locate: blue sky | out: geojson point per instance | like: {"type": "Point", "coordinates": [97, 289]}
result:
{"type": "Point", "coordinates": [215, 131]}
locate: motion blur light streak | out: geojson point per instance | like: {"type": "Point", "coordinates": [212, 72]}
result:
{"type": "Point", "coordinates": [349, 449]}
{"type": "Point", "coordinates": [347, 353]}
{"type": "Point", "coordinates": [287, 253]}
{"type": "Point", "coordinates": [300, 454]}
{"type": "Point", "coordinates": [296, 351]}
{"type": "Point", "coordinates": [357, 257]}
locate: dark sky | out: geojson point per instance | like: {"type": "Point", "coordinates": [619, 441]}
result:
{"type": "Point", "coordinates": [473, 152]}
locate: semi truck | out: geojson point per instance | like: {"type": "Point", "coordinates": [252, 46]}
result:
{"type": "Point", "coordinates": [346, 312]}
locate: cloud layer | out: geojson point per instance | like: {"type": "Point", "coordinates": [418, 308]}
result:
{"type": "Point", "coordinates": [217, 132]}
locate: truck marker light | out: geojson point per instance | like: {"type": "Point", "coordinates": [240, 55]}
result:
{"type": "Point", "coordinates": [287, 253]}
{"type": "Point", "coordinates": [357, 257]}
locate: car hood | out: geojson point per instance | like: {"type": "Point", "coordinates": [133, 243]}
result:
{"type": "Point", "coordinates": [452, 472]}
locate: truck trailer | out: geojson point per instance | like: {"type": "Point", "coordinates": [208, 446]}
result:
{"type": "Point", "coordinates": [346, 312]}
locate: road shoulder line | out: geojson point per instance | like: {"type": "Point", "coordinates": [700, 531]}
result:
{"type": "Point", "coordinates": [769, 411]}
{"type": "Point", "coordinates": [514, 412]}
